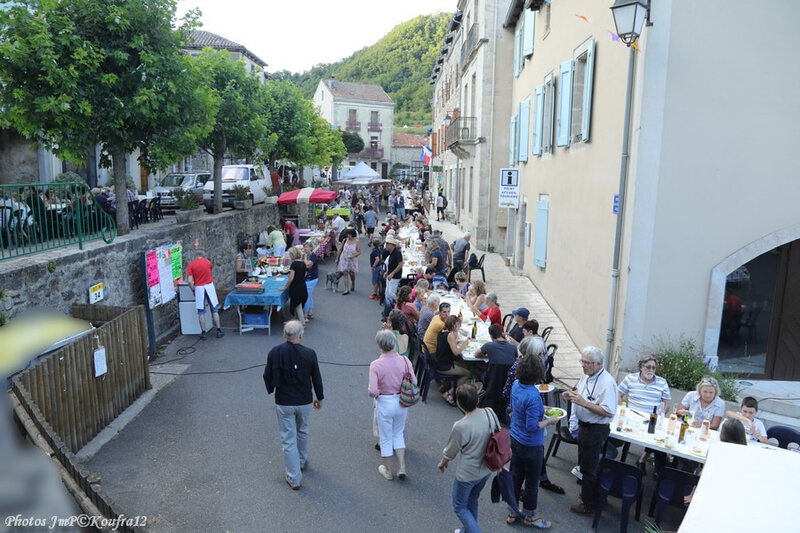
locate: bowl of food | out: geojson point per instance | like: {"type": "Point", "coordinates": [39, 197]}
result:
{"type": "Point", "coordinates": [557, 412]}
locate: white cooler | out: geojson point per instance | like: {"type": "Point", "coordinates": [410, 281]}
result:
{"type": "Point", "coordinates": [188, 311]}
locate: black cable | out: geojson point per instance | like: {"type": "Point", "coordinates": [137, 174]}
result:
{"type": "Point", "coordinates": [203, 373]}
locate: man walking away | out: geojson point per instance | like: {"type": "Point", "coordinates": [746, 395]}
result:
{"type": "Point", "coordinates": [198, 275]}
{"type": "Point", "coordinates": [292, 369]}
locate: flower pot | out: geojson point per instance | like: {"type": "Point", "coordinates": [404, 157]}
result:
{"type": "Point", "coordinates": [271, 200]}
{"type": "Point", "coordinates": [242, 204]}
{"type": "Point", "coordinates": [184, 217]}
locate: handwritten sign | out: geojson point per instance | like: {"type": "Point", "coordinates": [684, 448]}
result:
{"type": "Point", "coordinates": [177, 262]}
{"type": "Point", "coordinates": [164, 269]}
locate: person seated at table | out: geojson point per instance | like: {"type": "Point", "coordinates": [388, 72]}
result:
{"type": "Point", "coordinates": [436, 325]}
{"type": "Point", "coordinates": [462, 285]}
{"type": "Point", "coordinates": [405, 305]}
{"type": "Point", "coordinates": [645, 391]}
{"type": "Point", "coordinates": [476, 297]}
{"type": "Point", "coordinates": [732, 432]}
{"type": "Point", "coordinates": [529, 329]}
{"type": "Point", "coordinates": [449, 344]}
{"type": "Point", "coordinates": [427, 274]}
{"type": "Point", "coordinates": [243, 264]}
{"type": "Point", "coordinates": [436, 258]}
{"type": "Point", "coordinates": [101, 199]}
{"type": "Point", "coordinates": [703, 403]}
{"type": "Point", "coordinates": [500, 355]}
{"type": "Point", "coordinates": [753, 427]}
{"type": "Point", "coordinates": [397, 324]}
{"type": "Point", "coordinates": [426, 314]}
{"type": "Point", "coordinates": [419, 293]}
{"type": "Point", "coordinates": [520, 317]}
{"type": "Point", "coordinates": [492, 312]}
{"type": "Point", "coordinates": [275, 241]}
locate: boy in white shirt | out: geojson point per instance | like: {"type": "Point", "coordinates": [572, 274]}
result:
{"type": "Point", "coordinates": [752, 426]}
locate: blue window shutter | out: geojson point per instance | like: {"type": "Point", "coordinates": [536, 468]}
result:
{"type": "Point", "coordinates": [538, 120]}
{"type": "Point", "coordinates": [586, 121]}
{"type": "Point", "coordinates": [564, 103]}
{"type": "Point", "coordinates": [540, 237]}
{"type": "Point", "coordinates": [528, 33]}
{"type": "Point", "coordinates": [517, 52]}
{"type": "Point", "coordinates": [522, 129]}
{"type": "Point", "coordinates": [512, 136]}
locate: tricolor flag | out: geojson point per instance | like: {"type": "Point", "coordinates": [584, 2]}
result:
{"type": "Point", "coordinates": [426, 155]}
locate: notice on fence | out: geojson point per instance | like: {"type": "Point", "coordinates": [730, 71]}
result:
{"type": "Point", "coordinates": [163, 271]}
{"type": "Point", "coordinates": [100, 366]}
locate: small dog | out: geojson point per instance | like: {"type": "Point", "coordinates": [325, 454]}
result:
{"type": "Point", "coordinates": [332, 281]}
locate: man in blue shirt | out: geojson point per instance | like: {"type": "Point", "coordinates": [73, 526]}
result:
{"type": "Point", "coordinates": [370, 221]}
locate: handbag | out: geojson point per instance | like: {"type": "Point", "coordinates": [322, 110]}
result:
{"type": "Point", "coordinates": [498, 449]}
{"type": "Point", "coordinates": [409, 391]}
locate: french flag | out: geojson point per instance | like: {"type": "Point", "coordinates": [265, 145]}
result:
{"type": "Point", "coordinates": [426, 155]}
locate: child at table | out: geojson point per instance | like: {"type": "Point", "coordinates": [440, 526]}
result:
{"type": "Point", "coordinates": [747, 416]}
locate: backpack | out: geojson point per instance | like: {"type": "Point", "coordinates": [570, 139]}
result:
{"type": "Point", "coordinates": [444, 202]}
{"type": "Point", "coordinates": [473, 261]}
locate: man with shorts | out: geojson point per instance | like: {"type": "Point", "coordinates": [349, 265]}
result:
{"type": "Point", "coordinates": [200, 281]}
{"type": "Point", "coordinates": [370, 220]}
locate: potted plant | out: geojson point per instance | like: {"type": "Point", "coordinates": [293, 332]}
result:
{"type": "Point", "coordinates": [271, 198]}
{"type": "Point", "coordinates": [241, 197]}
{"type": "Point", "coordinates": [188, 206]}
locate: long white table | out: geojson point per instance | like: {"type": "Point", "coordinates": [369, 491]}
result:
{"type": "Point", "coordinates": [635, 432]}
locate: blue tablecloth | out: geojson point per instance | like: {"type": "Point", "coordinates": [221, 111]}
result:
{"type": "Point", "coordinates": [272, 294]}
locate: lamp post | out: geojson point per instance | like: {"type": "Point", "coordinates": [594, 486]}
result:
{"type": "Point", "coordinates": [629, 17]}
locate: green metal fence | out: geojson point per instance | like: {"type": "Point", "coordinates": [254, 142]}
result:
{"type": "Point", "coordinates": [35, 217]}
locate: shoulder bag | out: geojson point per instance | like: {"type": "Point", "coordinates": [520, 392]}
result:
{"type": "Point", "coordinates": [498, 449]}
{"type": "Point", "coordinates": [409, 392]}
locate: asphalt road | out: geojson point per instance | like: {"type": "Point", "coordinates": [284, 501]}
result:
{"type": "Point", "coordinates": [205, 454]}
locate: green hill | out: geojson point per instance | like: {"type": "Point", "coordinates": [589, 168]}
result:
{"type": "Point", "coordinates": [401, 63]}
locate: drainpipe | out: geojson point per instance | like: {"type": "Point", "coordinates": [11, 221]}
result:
{"type": "Point", "coordinates": [490, 157]}
{"type": "Point", "coordinates": [623, 178]}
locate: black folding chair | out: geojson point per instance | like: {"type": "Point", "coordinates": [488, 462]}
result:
{"type": "Point", "coordinates": [561, 434]}
{"type": "Point", "coordinates": [623, 481]}
{"type": "Point", "coordinates": [672, 486]}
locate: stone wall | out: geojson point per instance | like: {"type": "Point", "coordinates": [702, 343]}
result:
{"type": "Point", "coordinates": [58, 278]}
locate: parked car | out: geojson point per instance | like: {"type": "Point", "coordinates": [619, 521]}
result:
{"type": "Point", "coordinates": [188, 181]}
{"type": "Point", "coordinates": [249, 176]}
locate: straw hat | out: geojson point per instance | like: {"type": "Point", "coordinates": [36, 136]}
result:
{"type": "Point", "coordinates": [390, 240]}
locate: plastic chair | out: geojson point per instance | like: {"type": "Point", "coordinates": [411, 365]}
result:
{"type": "Point", "coordinates": [431, 374]}
{"type": "Point", "coordinates": [621, 481]}
{"type": "Point", "coordinates": [784, 434]}
{"type": "Point", "coordinates": [508, 322]}
{"type": "Point", "coordinates": [546, 333]}
{"type": "Point", "coordinates": [561, 433]}
{"type": "Point", "coordinates": [479, 266]}
{"type": "Point", "coordinates": [672, 486]}
{"type": "Point", "coordinates": [550, 362]}
{"type": "Point", "coordinates": [133, 222]}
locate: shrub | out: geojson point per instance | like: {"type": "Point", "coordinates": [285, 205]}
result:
{"type": "Point", "coordinates": [129, 183]}
{"type": "Point", "coordinates": [68, 177]}
{"type": "Point", "coordinates": [240, 192]}
{"type": "Point", "coordinates": [185, 200]}
{"type": "Point", "coordinates": [681, 364]}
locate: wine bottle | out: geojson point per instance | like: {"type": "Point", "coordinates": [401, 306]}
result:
{"type": "Point", "coordinates": [651, 424]}
{"type": "Point", "coordinates": [684, 427]}
{"type": "Point", "coordinates": [474, 330]}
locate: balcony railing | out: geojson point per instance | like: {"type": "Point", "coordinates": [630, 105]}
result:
{"type": "Point", "coordinates": [461, 129]}
{"type": "Point", "coordinates": [375, 152]}
{"type": "Point", "coordinates": [374, 126]}
{"type": "Point", "coordinates": [470, 43]}
{"type": "Point", "coordinates": [352, 125]}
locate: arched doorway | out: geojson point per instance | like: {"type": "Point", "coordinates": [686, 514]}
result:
{"type": "Point", "coordinates": [759, 322]}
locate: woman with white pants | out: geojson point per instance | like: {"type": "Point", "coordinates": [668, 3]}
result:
{"type": "Point", "coordinates": [385, 378]}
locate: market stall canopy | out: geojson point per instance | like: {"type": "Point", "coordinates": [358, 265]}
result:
{"type": "Point", "coordinates": [733, 470]}
{"type": "Point", "coordinates": [368, 181]}
{"type": "Point", "coordinates": [361, 170]}
{"type": "Point", "coordinates": [307, 195]}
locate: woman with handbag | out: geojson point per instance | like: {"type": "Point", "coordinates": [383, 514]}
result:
{"type": "Point", "coordinates": [469, 437]}
{"type": "Point", "coordinates": [386, 375]}
{"type": "Point", "coordinates": [527, 439]}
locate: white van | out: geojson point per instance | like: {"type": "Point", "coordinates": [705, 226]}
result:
{"type": "Point", "coordinates": [249, 176]}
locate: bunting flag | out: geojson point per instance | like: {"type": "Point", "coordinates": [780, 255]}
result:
{"type": "Point", "coordinates": [584, 18]}
{"type": "Point", "coordinates": [426, 154]}
{"type": "Point", "coordinates": [614, 36]}
{"type": "Point", "coordinates": [636, 46]}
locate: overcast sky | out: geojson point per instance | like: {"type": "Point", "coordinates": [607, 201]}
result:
{"type": "Point", "coordinates": [295, 35]}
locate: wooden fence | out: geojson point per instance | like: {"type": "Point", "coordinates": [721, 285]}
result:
{"type": "Point", "coordinates": [62, 386]}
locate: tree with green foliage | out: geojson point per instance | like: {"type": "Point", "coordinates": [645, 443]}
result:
{"type": "Point", "coordinates": [302, 136]}
{"type": "Point", "coordinates": [352, 142]}
{"type": "Point", "coordinates": [241, 125]}
{"type": "Point", "coordinates": [102, 72]}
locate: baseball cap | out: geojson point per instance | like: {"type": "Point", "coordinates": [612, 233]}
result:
{"type": "Point", "coordinates": [523, 312]}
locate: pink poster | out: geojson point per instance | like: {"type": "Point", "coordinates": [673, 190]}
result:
{"type": "Point", "coordinates": [151, 259]}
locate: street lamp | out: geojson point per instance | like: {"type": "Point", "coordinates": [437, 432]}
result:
{"type": "Point", "coordinates": [629, 16]}
{"type": "Point", "coordinates": [447, 120]}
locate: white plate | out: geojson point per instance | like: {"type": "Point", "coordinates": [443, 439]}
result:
{"type": "Point", "coordinates": [550, 388]}
{"type": "Point", "coordinates": [563, 411]}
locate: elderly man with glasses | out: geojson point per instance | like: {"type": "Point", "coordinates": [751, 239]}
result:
{"type": "Point", "coordinates": [595, 403]}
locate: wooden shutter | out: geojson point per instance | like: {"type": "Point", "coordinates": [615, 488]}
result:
{"type": "Point", "coordinates": [528, 33]}
{"type": "Point", "coordinates": [564, 103]}
{"type": "Point", "coordinates": [538, 120]}
{"type": "Point", "coordinates": [540, 237]}
{"type": "Point", "coordinates": [586, 118]}
{"type": "Point", "coordinates": [522, 129]}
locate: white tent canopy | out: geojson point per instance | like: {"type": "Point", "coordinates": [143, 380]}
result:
{"type": "Point", "coordinates": [361, 170]}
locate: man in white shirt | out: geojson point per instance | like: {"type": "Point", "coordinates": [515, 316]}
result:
{"type": "Point", "coordinates": [338, 224]}
{"type": "Point", "coordinates": [594, 401]}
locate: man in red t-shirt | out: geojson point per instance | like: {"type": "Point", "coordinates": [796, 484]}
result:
{"type": "Point", "coordinates": [198, 274]}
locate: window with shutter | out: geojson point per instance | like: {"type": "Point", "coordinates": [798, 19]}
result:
{"type": "Point", "coordinates": [540, 234]}
{"type": "Point", "coordinates": [549, 107]}
{"type": "Point", "coordinates": [538, 120]}
{"type": "Point", "coordinates": [512, 137]}
{"type": "Point", "coordinates": [528, 29]}
{"type": "Point", "coordinates": [522, 129]}
{"type": "Point", "coordinates": [517, 52]}
{"type": "Point", "coordinates": [564, 103]}
{"type": "Point", "coordinates": [582, 78]}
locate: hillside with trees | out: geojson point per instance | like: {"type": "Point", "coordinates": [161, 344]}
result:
{"type": "Point", "coordinates": [401, 63]}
